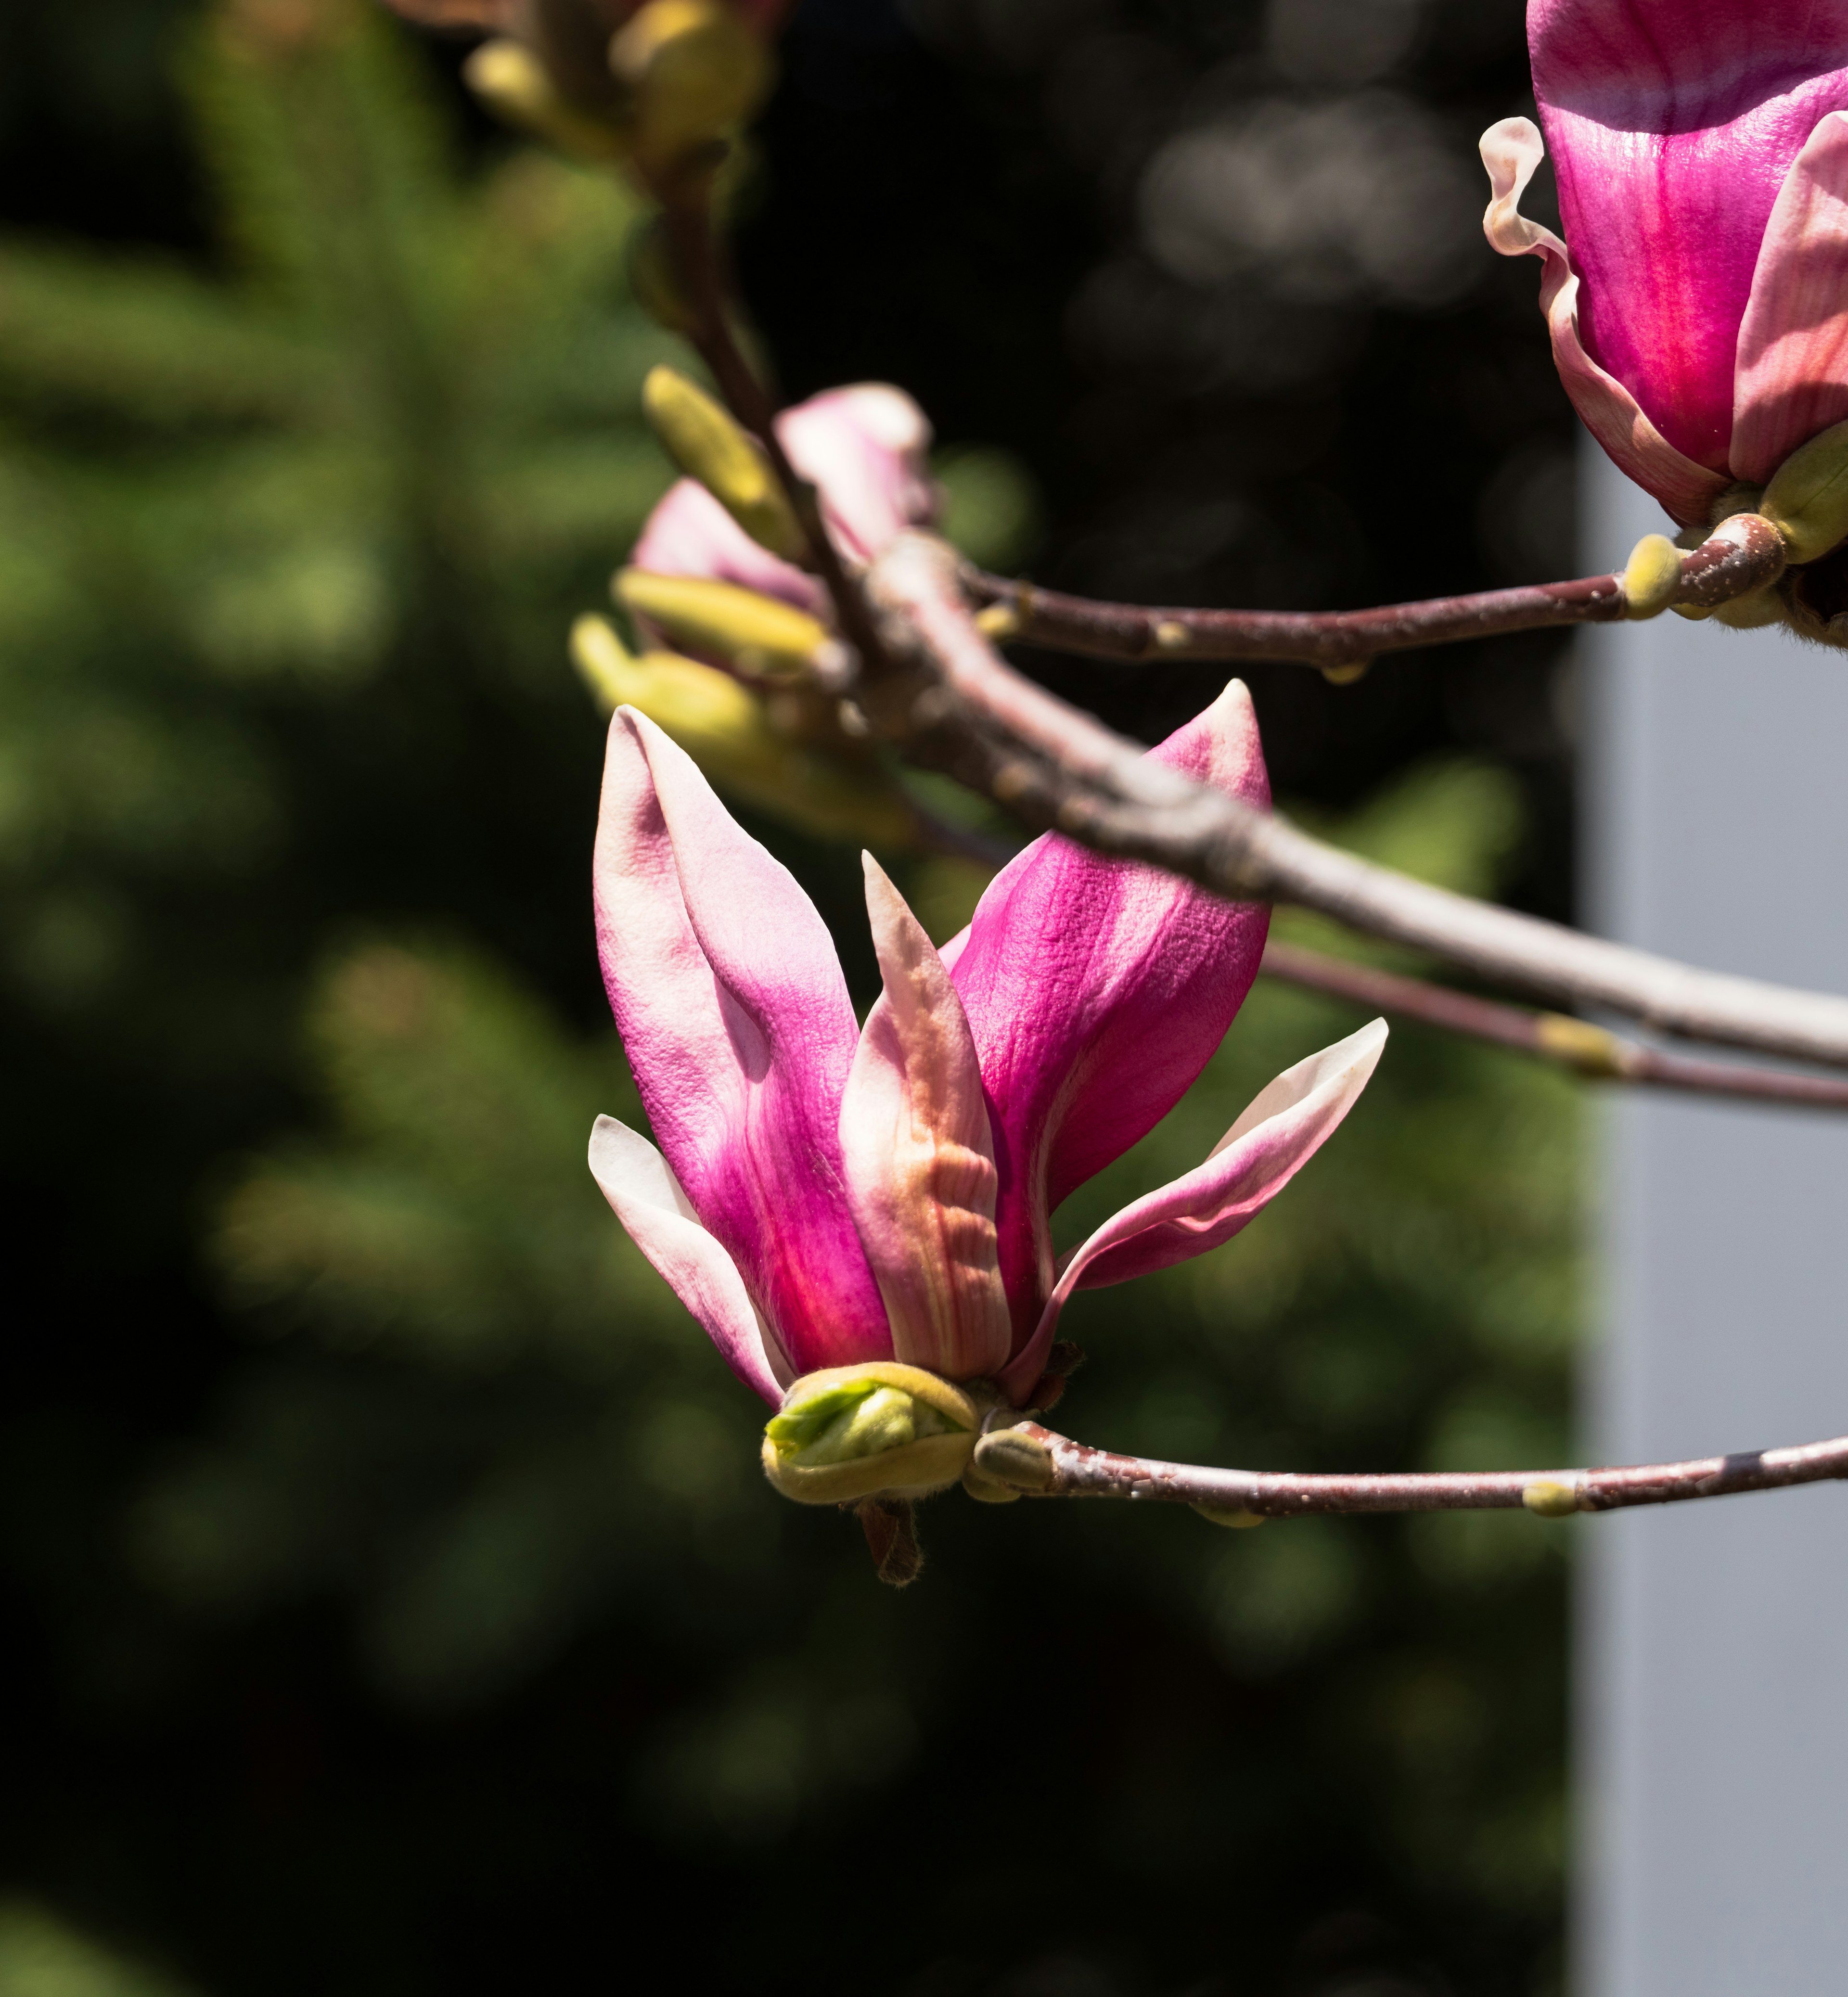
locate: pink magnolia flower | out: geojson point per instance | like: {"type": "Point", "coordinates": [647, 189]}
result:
{"type": "Point", "coordinates": [865, 448]}
{"type": "Point", "coordinates": [1699, 305]}
{"type": "Point", "coordinates": [825, 1195]}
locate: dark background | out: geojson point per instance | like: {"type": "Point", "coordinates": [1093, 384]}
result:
{"type": "Point", "coordinates": [1207, 273]}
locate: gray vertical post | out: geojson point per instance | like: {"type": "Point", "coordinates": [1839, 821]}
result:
{"type": "Point", "coordinates": [1712, 1727]}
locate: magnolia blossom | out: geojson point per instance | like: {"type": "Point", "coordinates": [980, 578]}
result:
{"type": "Point", "coordinates": [865, 450]}
{"type": "Point", "coordinates": [1699, 305]}
{"type": "Point", "coordinates": [826, 1195]}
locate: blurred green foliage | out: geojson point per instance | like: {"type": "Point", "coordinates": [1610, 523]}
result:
{"type": "Point", "coordinates": [432, 1627]}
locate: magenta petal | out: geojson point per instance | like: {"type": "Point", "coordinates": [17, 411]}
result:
{"type": "Point", "coordinates": [731, 1004]}
{"type": "Point", "coordinates": [1510, 151]}
{"type": "Point", "coordinates": [654, 1208]}
{"type": "Point", "coordinates": [1673, 124]}
{"type": "Point", "coordinates": [920, 1168]}
{"type": "Point", "coordinates": [1792, 347]}
{"type": "Point", "coordinates": [1278, 1133]}
{"type": "Point", "coordinates": [1096, 991]}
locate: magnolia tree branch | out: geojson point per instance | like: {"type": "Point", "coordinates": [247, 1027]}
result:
{"type": "Point", "coordinates": [1339, 640]}
{"type": "Point", "coordinates": [930, 682]}
{"type": "Point", "coordinates": [1040, 1463]}
{"type": "Point", "coordinates": [943, 694]}
{"type": "Point", "coordinates": [1577, 1044]}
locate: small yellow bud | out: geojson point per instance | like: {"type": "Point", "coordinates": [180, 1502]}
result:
{"type": "Point", "coordinates": [1587, 1048]}
{"type": "Point", "coordinates": [1347, 674]}
{"type": "Point", "coordinates": [998, 623]}
{"type": "Point", "coordinates": [1749, 613]}
{"type": "Point", "coordinates": [1548, 1498]}
{"type": "Point", "coordinates": [729, 731]}
{"type": "Point", "coordinates": [766, 639]}
{"type": "Point", "coordinates": [1651, 577]}
{"type": "Point", "coordinates": [1807, 499]}
{"type": "Point", "coordinates": [1172, 635]}
{"type": "Point", "coordinates": [511, 81]}
{"type": "Point", "coordinates": [708, 444]}
{"type": "Point", "coordinates": [695, 69]}
{"type": "Point", "coordinates": [1022, 1462]}
{"type": "Point", "coordinates": [1240, 1521]}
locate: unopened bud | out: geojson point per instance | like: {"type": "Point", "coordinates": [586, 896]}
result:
{"type": "Point", "coordinates": [1240, 1521]}
{"type": "Point", "coordinates": [763, 638]}
{"type": "Point", "coordinates": [731, 733]}
{"type": "Point", "coordinates": [1021, 1461]}
{"type": "Point", "coordinates": [1651, 577]}
{"type": "Point", "coordinates": [1749, 613]}
{"type": "Point", "coordinates": [854, 1432]}
{"type": "Point", "coordinates": [1590, 1049]}
{"type": "Point", "coordinates": [708, 444]}
{"type": "Point", "coordinates": [1807, 499]}
{"type": "Point", "coordinates": [1546, 1498]}
{"type": "Point", "coordinates": [511, 81]}
{"type": "Point", "coordinates": [1347, 673]}
{"type": "Point", "coordinates": [696, 70]}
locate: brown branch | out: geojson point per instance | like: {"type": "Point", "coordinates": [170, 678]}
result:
{"type": "Point", "coordinates": [1055, 767]}
{"type": "Point", "coordinates": [1041, 1463]}
{"type": "Point", "coordinates": [1339, 640]}
{"type": "Point", "coordinates": [1577, 1044]}
{"type": "Point", "coordinates": [699, 262]}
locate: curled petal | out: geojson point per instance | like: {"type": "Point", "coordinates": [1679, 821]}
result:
{"type": "Point", "coordinates": [1276, 1136]}
{"type": "Point", "coordinates": [1510, 151]}
{"type": "Point", "coordinates": [1096, 991]}
{"type": "Point", "coordinates": [731, 1003]}
{"type": "Point", "coordinates": [653, 1207]}
{"type": "Point", "coordinates": [865, 448]}
{"type": "Point", "coordinates": [919, 1165]}
{"type": "Point", "coordinates": [1792, 378]}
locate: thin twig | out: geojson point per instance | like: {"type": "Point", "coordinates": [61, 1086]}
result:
{"type": "Point", "coordinates": [1335, 640]}
{"type": "Point", "coordinates": [1041, 1463]}
{"type": "Point", "coordinates": [686, 213]}
{"type": "Point", "coordinates": [1054, 766]}
{"type": "Point", "coordinates": [1577, 1044]}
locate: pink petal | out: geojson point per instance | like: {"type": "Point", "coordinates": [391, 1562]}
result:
{"type": "Point", "coordinates": [1792, 347]}
{"type": "Point", "coordinates": [1277, 1135]}
{"type": "Point", "coordinates": [866, 448]}
{"type": "Point", "coordinates": [731, 1004]}
{"type": "Point", "coordinates": [920, 1169]}
{"type": "Point", "coordinates": [1673, 124]}
{"type": "Point", "coordinates": [1096, 991]}
{"type": "Point", "coordinates": [1510, 151]}
{"type": "Point", "coordinates": [649, 1201]}
{"type": "Point", "coordinates": [690, 533]}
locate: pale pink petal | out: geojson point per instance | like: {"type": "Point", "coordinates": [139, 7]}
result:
{"type": "Point", "coordinates": [1792, 347]}
{"type": "Point", "coordinates": [920, 1169]}
{"type": "Point", "coordinates": [866, 448]}
{"type": "Point", "coordinates": [1277, 1136]}
{"type": "Point", "coordinates": [1096, 991]}
{"type": "Point", "coordinates": [690, 533]}
{"type": "Point", "coordinates": [652, 1206]}
{"type": "Point", "coordinates": [1673, 125]}
{"type": "Point", "coordinates": [731, 1004]}
{"type": "Point", "coordinates": [1510, 151]}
